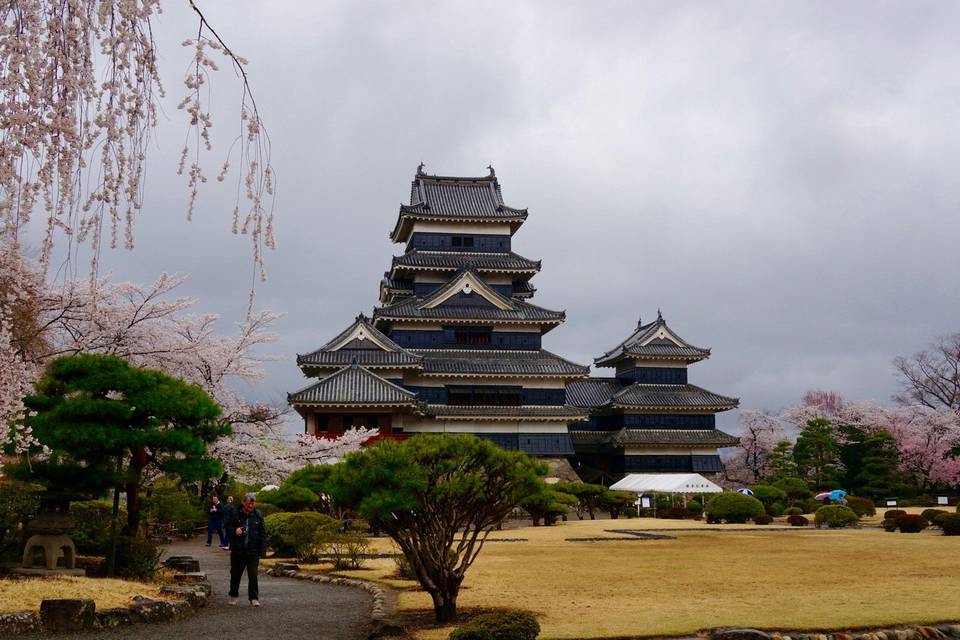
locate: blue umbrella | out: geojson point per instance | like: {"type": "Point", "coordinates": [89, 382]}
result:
{"type": "Point", "coordinates": [837, 495]}
{"type": "Point", "coordinates": [746, 492]}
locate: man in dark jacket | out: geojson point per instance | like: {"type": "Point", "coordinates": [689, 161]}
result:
{"type": "Point", "coordinates": [215, 520]}
{"type": "Point", "coordinates": [248, 541]}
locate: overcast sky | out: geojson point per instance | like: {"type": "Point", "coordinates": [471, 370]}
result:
{"type": "Point", "coordinates": [781, 179]}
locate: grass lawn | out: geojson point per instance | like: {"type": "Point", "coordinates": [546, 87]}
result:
{"type": "Point", "coordinates": [25, 594]}
{"type": "Point", "coordinates": [743, 576]}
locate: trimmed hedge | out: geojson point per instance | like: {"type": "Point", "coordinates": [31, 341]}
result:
{"type": "Point", "coordinates": [889, 524]}
{"type": "Point", "coordinates": [733, 507]}
{"type": "Point", "coordinates": [797, 520]}
{"type": "Point", "coordinates": [911, 523]}
{"type": "Point", "coordinates": [762, 519]}
{"type": "Point", "coordinates": [893, 514]}
{"type": "Point", "coordinates": [505, 625]}
{"type": "Point", "coordinates": [295, 534]}
{"type": "Point", "coordinates": [931, 514]}
{"type": "Point", "coordinates": [862, 506]}
{"type": "Point", "coordinates": [793, 511]}
{"type": "Point", "coordinates": [950, 523]}
{"type": "Point", "coordinates": [835, 517]}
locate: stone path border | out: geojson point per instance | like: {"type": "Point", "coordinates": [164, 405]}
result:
{"type": "Point", "coordinates": [190, 592]}
{"type": "Point", "coordinates": [382, 615]}
{"type": "Point", "coordinates": [946, 631]}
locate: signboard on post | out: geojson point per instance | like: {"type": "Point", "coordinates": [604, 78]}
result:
{"type": "Point", "coordinates": [943, 500]}
{"type": "Point", "coordinates": [645, 502]}
{"type": "Point", "coordinates": [891, 503]}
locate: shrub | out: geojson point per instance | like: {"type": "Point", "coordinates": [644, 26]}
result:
{"type": "Point", "coordinates": [924, 501]}
{"type": "Point", "coordinates": [268, 509]}
{"type": "Point", "coordinates": [694, 507]}
{"type": "Point", "coordinates": [290, 498]}
{"type": "Point", "coordinates": [19, 501]}
{"type": "Point", "coordinates": [958, 508]}
{"type": "Point", "coordinates": [295, 534]}
{"type": "Point", "coordinates": [893, 514]}
{"type": "Point", "coordinates": [733, 507]}
{"type": "Point", "coordinates": [862, 506]}
{"type": "Point", "coordinates": [797, 520]}
{"type": "Point", "coordinates": [92, 533]}
{"type": "Point", "coordinates": [931, 514]}
{"type": "Point", "coordinates": [796, 489]}
{"type": "Point", "coordinates": [762, 519]}
{"type": "Point", "coordinates": [348, 549]}
{"type": "Point", "coordinates": [404, 568]}
{"type": "Point", "coordinates": [674, 513]}
{"type": "Point", "coordinates": [911, 523]}
{"type": "Point", "coordinates": [835, 517]}
{"type": "Point", "coordinates": [950, 523]}
{"type": "Point", "coordinates": [136, 558]}
{"type": "Point", "coordinates": [793, 511]}
{"type": "Point", "coordinates": [501, 625]}
{"type": "Point", "coordinates": [170, 504]}
{"type": "Point", "coordinates": [768, 494]}
{"type": "Point", "coordinates": [889, 524]}
{"type": "Point", "coordinates": [776, 509]}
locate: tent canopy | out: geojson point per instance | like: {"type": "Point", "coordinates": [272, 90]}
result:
{"type": "Point", "coordinates": [666, 483]}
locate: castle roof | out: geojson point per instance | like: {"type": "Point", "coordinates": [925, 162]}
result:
{"type": "Point", "coordinates": [353, 386]}
{"type": "Point", "coordinates": [466, 298]}
{"type": "Point", "coordinates": [611, 393]}
{"type": "Point", "coordinates": [655, 437]}
{"type": "Point", "coordinates": [653, 341]}
{"type": "Point", "coordinates": [486, 363]}
{"type": "Point", "coordinates": [455, 199]}
{"type": "Point", "coordinates": [483, 262]}
{"type": "Point", "coordinates": [561, 413]}
{"type": "Point", "coordinates": [360, 343]}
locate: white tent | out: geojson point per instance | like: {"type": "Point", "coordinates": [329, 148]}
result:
{"type": "Point", "coordinates": [666, 483]}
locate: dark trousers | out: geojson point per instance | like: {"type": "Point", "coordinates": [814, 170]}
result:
{"type": "Point", "coordinates": [215, 526]}
{"type": "Point", "coordinates": [240, 562]}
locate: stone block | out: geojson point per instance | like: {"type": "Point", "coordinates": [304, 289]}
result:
{"type": "Point", "coordinates": [150, 611]}
{"type": "Point", "coordinates": [195, 595]}
{"type": "Point", "coordinates": [62, 615]}
{"type": "Point", "coordinates": [18, 622]}
{"type": "Point", "coordinates": [739, 634]}
{"type": "Point", "coordinates": [286, 566]}
{"type": "Point", "coordinates": [112, 618]}
{"type": "Point", "coordinates": [185, 565]}
{"type": "Point", "coordinates": [190, 577]}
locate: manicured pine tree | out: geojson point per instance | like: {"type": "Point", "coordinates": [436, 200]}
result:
{"type": "Point", "coordinates": [817, 454]}
{"type": "Point", "coordinates": [106, 423]}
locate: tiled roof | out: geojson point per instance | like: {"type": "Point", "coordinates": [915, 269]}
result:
{"type": "Point", "coordinates": [353, 385]}
{"type": "Point", "coordinates": [523, 289]}
{"type": "Point", "coordinates": [457, 198]}
{"type": "Point", "coordinates": [592, 392]}
{"type": "Point", "coordinates": [670, 396]}
{"type": "Point", "coordinates": [655, 437]}
{"type": "Point", "coordinates": [365, 353]}
{"type": "Point", "coordinates": [546, 412]}
{"type": "Point", "coordinates": [640, 345]}
{"type": "Point", "coordinates": [486, 305]}
{"type": "Point", "coordinates": [455, 260]}
{"type": "Point", "coordinates": [498, 363]}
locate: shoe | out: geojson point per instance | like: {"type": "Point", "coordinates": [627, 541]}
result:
{"type": "Point", "coordinates": [233, 601]}
{"type": "Point", "coordinates": [225, 547]}
{"type": "Point", "coordinates": [254, 603]}
{"type": "Point", "coordinates": [208, 544]}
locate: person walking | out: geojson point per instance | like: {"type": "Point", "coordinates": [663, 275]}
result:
{"type": "Point", "coordinates": [228, 510]}
{"type": "Point", "coordinates": [248, 541]}
{"type": "Point", "coordinates": [215, 520]}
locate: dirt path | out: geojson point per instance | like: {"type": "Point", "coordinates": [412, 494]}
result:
{"type": "Point", "coordinates": [291, 609]}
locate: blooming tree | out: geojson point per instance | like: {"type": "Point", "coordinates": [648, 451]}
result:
{"type": "Point", "coordinates": [925, 441]}
{"type": "Point", "coordinates": [748, 462]}
{"type": "Point", "coordinates": [79, 91]}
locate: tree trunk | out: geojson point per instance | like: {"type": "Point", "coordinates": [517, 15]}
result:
{"type": "Point", "coordinates": [138, 460]}
{"type": "Point", "coordinates": [445, 607]}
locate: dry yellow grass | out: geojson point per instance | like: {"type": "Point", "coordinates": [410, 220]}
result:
{"type": "Point", "coordinates": [743, 576]}
{"type": "Point", "coordinates": [25, 594]}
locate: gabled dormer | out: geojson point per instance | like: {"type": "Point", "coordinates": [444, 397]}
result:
{"type": "Point", "coordinates": [466, 299]}
{"type": "Point", "coordinates": [361, 343]}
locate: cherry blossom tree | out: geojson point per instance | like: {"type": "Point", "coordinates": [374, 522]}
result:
{"type": "Point", "coordinates": [79, 93]}
{"type": "Point", "coordinates": [931, 378]}
{"type": "Point", "coordinates": [748, 462]}
{"type": "Point", "coordinates": [926, 439]}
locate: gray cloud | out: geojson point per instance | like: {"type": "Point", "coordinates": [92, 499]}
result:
{"type": "Point", "coordinates": [779, 178]}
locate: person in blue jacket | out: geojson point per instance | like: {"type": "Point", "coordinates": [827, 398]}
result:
{"type": "Point", "coordinates": [215, 520]}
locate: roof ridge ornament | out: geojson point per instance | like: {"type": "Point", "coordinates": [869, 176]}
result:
{"type": "Point", "coordinates": [659, 315]}
{"type": "Point", "coordinates": [420, 171]}
{"type": "Point", "coordinates": [493, 174]}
